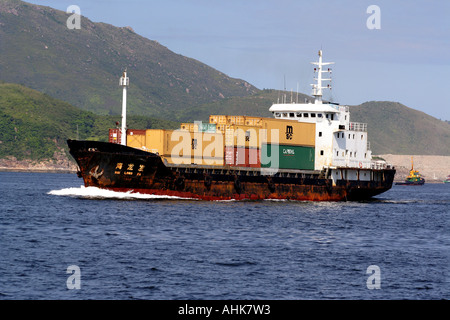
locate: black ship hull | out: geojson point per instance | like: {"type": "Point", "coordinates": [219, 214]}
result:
{"type": "Point", "coordinates": [120, 168]}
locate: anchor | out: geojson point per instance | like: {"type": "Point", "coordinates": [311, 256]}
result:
{"type": "Point", "coordinates": [95, 173]}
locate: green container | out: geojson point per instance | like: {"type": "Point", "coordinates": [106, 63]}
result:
{"type": "Point", "coordinates": [289, 157]}
{"type": "Point", "coordinates": [208, 127]}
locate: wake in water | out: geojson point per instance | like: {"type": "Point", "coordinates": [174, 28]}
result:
{"type": "Point", "coordinates": [97, 193]}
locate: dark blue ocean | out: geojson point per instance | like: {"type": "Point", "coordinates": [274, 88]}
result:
{"type": "Point", "coordinates": [394, 247]}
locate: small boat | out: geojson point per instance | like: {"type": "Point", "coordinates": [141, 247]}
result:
{"type": "Point", "coordinates": [414, 178]}
{"type": "Point", "coordinates": [447, 180]}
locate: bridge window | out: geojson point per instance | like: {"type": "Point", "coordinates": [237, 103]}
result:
{"type": "Point", "coordinates": [313, 115]}
{"type": "Point", "coordinates": [277, 114]}
{"type": "Point", "coordinates": [285, 114]}
{"type": "Point", "coordinates": [320, 133]}
{"type": "Point", "coordinates": [305, 115]}
{"type": "Point", "coordinates": [319, 115]}
{"type": "Point", "coordinates": [299, 115]}
{"type": "Point", "coordinates": [291, 115]}
{"type": "Point", "coordinates": [321, 152]}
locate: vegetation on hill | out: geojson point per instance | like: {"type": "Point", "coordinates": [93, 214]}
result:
{"type": "Point", "coordinates": [83, 66]}
{"type": "Point", "coordinates": [396, 129]}
{"type": "Point", "coordinates": [34, 125]}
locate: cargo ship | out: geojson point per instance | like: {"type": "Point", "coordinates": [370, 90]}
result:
{"type": "Point", "coordinates": [413, 179]}
{"type": "Point", "coordinates": [308, 151]}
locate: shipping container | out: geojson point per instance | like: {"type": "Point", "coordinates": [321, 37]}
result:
{"type": "Point", "coordinates": [191, 127]}
{"type": "Point", "coordinates": [115, 135]}
{"type": "Point", "coordinates": [136, 139]}
{"type": "Point", "coordinates": [154, 140]}
{"type": "Point", "coordinates": [199, 127]}
{"type": "Point", "coordinates": [182, 146]}
{"type": "Point", "coordinates": [288, 132]}
{"type": "Point", "coordinates": [253, 121]}
{"type": "Point", "coordinates": [287, 157]}
{"type": "Point", "coordinates": [247, 136]}
{"type": "Point", "coordinates": [208, 127]}
{"type": "Point", "coordinates": [217, 119]}
{"type": "Point", "coordinates": [237, 120]}
{"type": "Point", "coordinates": [242, 157]}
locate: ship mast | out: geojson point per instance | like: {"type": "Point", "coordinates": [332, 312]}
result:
{"type": "Point", "coordinates": [317, 87]}
{"type": "Point", "coordinates": [124, 83]}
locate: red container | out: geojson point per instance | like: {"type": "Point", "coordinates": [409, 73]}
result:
{"type": "Point", "coordinates": [242, 157]}
{"type": "Point", "coordinates": [115, 136]}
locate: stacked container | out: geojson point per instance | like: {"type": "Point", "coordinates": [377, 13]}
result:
{"type": "Point", "coordinates": [231, 140]}
{"type": "Point", "coordinates": [291, 142]}
{"type": "Point", "coordinates": [185, 147]}
{"type": "Point", "coordinates": [114, 136]}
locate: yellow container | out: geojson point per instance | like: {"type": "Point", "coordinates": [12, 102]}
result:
{"type": "Point", "coordinates": [155, 140]}
{"type": "Point", "coordinates": [253, 121]}
{"type": "Point", "coordinates": [236, 120]}
{"type": "Point", "coordinates": [288, 132]}
{"type": "Point", "coordinates": [184, 147]}
{"type": "Point", "coordinates": [136, 141]}
{"type": "Point", "coordinates": [242, 136]}
{"type": "Point", "coordinates": [218, 119]}
{"type": "Point", "coordinates": [191, 127]}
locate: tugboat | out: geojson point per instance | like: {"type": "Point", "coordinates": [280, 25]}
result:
{"type": "Point", "coordinates": [414, 178]}
{"type": "Point", "coordinates": [308, 152]}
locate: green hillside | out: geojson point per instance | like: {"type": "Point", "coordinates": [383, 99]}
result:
{"type": "Point", "coordinates": [34, 125]}
{"type": "Point", "coordinates": [83, 66]}
{"type": "Point", "coordinates": [397, 129]}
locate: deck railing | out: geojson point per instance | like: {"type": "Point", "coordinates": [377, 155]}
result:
{"type": "Point", "coordinates": [357, 126]}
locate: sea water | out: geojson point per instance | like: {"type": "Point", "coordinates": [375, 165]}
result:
{"type": "Point", "coordinates": [60, 240]}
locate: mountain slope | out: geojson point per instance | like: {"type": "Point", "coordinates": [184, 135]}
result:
{"type": "Point", "coordinates": [83, 66]}
{"type": "Point", "coordinates": [395, 128]}
{"type": "Point", "coordinates": [35, 126]}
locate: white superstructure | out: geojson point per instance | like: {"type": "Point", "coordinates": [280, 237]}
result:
{"type": "Point", "coordinates": [339, 142]}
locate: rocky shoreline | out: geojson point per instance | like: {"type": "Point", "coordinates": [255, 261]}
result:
{"type": "Point", "coordinates": [433, 168]}
{"type": "Point", "coordinates": [48, 166]}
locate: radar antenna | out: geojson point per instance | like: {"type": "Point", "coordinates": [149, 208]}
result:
{"type": "Point", "coordinates": [317, 87]}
